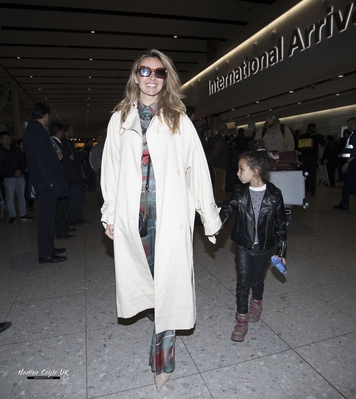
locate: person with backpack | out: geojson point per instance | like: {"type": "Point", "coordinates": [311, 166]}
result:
{"type": "Point", "coordinates": [276, 135]}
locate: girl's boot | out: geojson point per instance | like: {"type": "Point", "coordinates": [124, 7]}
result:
{"type": "Point", "coordinates": [241, 327]}
{"type": "Point", "coordinates": [255, 311]}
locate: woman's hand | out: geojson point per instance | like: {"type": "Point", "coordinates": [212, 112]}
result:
{"type": "Point", "coordinates": [110, 231]}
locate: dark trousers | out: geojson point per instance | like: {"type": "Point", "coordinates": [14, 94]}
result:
{"type": "Point", "coordinates": [46, 219]}
{"type": "Point", "coordinates": [61, 215]}
{"type": "Point", "coordinates": [331, 168]}
{"type": "Point", "coordinates": [309, 165]}
{"type": "Point", "coordinates": [347, 190]}
{"type": "Point", "coordinates": [99, 195]}
{"type": "Point", "coordinates": [251, 265]}
{"type": "Point", "coordinates": [75, 203]}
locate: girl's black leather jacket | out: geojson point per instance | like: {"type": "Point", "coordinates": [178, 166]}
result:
{"type": "Point", "coordinates": [271, 227]}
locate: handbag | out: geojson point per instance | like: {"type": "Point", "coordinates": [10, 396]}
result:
{"type": "Point", "coordinates": [142, 219]}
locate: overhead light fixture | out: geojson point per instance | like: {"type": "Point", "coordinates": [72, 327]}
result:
{"type": "Point", "coordinates": [340, 76]}
{"type": "Point", "coordinates": [39, 89]}
{"type": "Point", "coordinates": [90, 59]}
{"type": "Point", "coordinates": [92, 31]}
{"type": "Point", "coordinates": [18, 58]}
{"type": "Point", "coordinates": [175, 37]}
{"type": "Point", "coordinates": [89, 77]}
{"type": "Point", "coordinates": [299, 102]}
{"type": "Point", "coordinates": [88, 89]}
{"type": "Point", "coordinates": [291, 91]}
{"type": "Point", "coordinates": [257, 102]}
{"type": "Point", "coordinates": [31, 76]}
{"type": "Point", "coordinates": [337, 94]}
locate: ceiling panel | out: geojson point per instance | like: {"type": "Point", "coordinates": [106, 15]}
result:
{"type": "Point", "coordinates": [54, 43]}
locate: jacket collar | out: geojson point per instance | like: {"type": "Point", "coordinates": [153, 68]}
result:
{"type": "Point", "coordinates": [268, 198]}
{"type": "Point", "coordinates": [132, 121]}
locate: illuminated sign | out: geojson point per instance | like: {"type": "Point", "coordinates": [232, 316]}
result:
{"type": "Point", "coordinates": [299, 41]}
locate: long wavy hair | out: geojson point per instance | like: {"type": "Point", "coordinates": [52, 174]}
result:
{"type": "Point", "coordinates": [169, 104]}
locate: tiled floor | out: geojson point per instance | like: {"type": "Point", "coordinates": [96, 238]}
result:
{"type": "Point", "coordinates": [64, 318]}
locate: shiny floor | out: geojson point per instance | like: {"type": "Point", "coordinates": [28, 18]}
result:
{"type": "Point", "coordinates": [64, 319]}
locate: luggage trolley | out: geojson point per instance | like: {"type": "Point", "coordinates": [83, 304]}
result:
{"type": "Point", "coordinates": [291, 183]}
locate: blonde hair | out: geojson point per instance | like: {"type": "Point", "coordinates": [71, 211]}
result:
{"type": "Point", "coordinates": [169, 104]}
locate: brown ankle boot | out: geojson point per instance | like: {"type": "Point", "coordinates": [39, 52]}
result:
{"type": "Point", "coordinates": [241, 327]}
{"type": "Point", "coordinates": [255, 311]}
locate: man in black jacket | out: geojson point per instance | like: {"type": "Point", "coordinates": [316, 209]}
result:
{"type": "Point", "coordinates": [12, 169]}
{"type": "Point", "coordinates": [47, 179]}
{"type": "Point", "coordinates": [57, 134]}
{"type": "Point", "coordinates": [309, 155]}
{"type": "Point", "coordinates": [219, 161]}
{"type": "Point", "coordinates": [349, 167]}
{"type": "Point", "coordinates": [76, 191]}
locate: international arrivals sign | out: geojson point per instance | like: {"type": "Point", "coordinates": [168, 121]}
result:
{"type": "Point", "coordinates": [334, 22]}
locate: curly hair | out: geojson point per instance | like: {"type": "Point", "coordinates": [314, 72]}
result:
{"type": "Point", "coordinates": [169, 104]}
{"type": "Point", "coordinates": [257, 157]}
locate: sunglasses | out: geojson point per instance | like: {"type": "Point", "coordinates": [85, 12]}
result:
{"type": "Point", "coordinates": [146, 71]}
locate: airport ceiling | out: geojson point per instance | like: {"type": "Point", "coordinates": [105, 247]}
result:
{"type": "Point", "coordinates": [76, 54]}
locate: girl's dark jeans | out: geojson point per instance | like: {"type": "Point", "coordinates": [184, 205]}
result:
{"type": "Point", "coordinates": [251, 265]}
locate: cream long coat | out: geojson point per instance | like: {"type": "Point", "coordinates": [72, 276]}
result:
{"type": "Point", "coordinates": [183, 185]}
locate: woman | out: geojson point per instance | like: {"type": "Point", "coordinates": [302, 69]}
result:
{"type": "Point", "coordinates": [155, 271]}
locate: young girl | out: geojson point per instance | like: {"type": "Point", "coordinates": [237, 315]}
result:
{"type": "Point", "coordinates": [260, 225]}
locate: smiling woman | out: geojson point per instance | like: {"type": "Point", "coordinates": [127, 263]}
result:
{"type": "Point", "coordinates": [153, 162]}
{"type": "Point", "coordinates": [149, 83]}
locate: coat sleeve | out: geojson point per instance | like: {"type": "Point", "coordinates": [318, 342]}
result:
{"type": "Point", "coordinates": [280, 228]}
{"type": "Point", "coordinates": [110, 170]}
{"type": "Point", "coordinates": [198, 178]}
{"type": "Point", "coordinates": [94, 159]}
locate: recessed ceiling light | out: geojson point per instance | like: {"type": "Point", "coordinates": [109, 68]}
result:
{"type": "Point", "coordinates": [90, 59]}
{"type": "Point", "coordinates": [18, 58]}
{"type": "Point", "coordinates": [337, 94]}
{"type": "Point", "coordinates": [270, 109]}
{"type": "Point", "coordinates": [175, 37]}
{"type": "Point", "coordinates": [291, 91]}
{"type": "Point", "coordinates": [233, 109]}
{"type": "Point", "coordinates": [340, 76]}
{"type": "Point", "coordinates": [89, 77]}
{"type": "Point", "coordinates": [92, 31]}
{"type": "Point", "coordinates": [88, 89]}
{"type": "Point", "coordinates": [299, 102]}
{"type": "Point", "coordinates": [31, 76]}
{"type": "Point", "coordinates": [257, 102]}
{"type": "Point", "coordinates": [39, 89]}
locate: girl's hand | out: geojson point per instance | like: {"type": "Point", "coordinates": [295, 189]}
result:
{"type": "Point", "coordinates": [284, 261]}
{"type": "Point", "coordinates": [109, 231]}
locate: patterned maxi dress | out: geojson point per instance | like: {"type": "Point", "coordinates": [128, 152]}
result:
{"type": "Point", "coordinates": [163, 344]}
